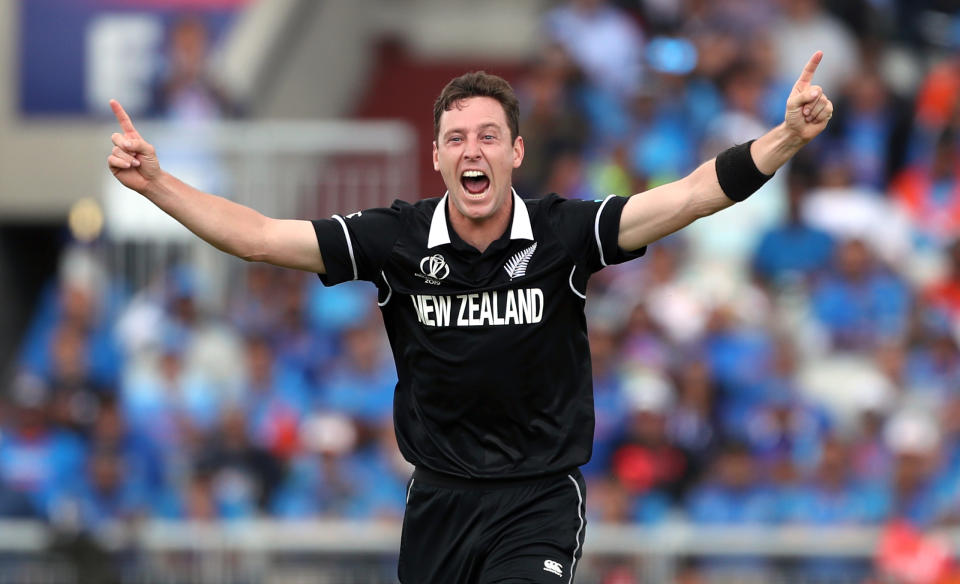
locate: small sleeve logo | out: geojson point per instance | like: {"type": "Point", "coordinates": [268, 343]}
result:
{"type": "Point", "coordinates": [553, 567]}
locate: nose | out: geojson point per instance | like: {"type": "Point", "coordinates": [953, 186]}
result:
{"type": "Point", "coordinates": [471, 150]}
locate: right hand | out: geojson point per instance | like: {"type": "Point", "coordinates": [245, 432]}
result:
{"type": "Point", "coordinates": [133, 160]}
{"type": "Point", "coordinates": [808, 109]}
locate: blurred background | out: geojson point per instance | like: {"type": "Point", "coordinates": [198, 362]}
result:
{"type": "Point", "coordinates": [777, 387]}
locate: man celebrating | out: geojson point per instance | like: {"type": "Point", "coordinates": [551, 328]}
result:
{"type": "Point", "coordinates": [482, 294]}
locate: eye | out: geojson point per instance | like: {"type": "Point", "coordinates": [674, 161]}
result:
{"type": "Point", "coordinates": [455, 139]}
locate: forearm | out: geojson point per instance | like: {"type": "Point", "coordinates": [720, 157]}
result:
{"type": "Point", "coordinates": [660, 211]}
{"type": "Point", "coordinates": [775, 148]}
{"type": "Point", "coordinates": [706, 196]}
{"type": "Point", "coordinates": [228, 226]}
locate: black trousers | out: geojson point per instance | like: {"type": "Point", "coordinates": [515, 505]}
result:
{"type": "Point", "coordinates": [463, 531]}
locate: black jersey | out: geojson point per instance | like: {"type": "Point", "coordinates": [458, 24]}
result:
{"type": "Point", "coordinates": [491, 348]}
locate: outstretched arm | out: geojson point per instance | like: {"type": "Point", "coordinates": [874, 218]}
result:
{"type": "Point", "coordinates": [228, 226]}
{"type": "Point", "coordinates": [659, 212]}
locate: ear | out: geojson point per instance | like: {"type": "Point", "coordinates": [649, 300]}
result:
{"type": "Point", "coordinates": [517, 151]}
{"type": "Point", "coordinates": [436, 157]}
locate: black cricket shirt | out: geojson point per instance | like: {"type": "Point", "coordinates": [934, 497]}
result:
{"type": "Point", "coordinates": [490, 348]}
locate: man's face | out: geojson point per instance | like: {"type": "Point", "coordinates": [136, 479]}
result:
{"type": "Point", "coordinates": [476, 157]}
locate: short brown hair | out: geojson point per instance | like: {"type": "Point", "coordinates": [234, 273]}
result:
{"type": "Point", "coordinates": [478, 84]}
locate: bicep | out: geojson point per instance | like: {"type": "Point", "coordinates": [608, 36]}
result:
{"type": "Point", "coordinates": [292, 243]}
{"type": "Point", "coordinates": [656, 213]}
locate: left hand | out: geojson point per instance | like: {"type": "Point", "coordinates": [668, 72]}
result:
{"type": "Point", "coordinates": [808, 109]}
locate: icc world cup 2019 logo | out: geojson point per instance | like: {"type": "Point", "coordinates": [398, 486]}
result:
{"type": "Point", "coordinates": [433, 269]}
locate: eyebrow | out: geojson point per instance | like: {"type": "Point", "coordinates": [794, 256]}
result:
{"type": "Point", "coordinates": [481, 128]}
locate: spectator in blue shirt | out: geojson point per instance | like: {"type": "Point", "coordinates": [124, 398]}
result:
{"type": "Point", "coordinates": [740, 357]}
{"type": "Point", "coordinates": [251, 305]}
{"type": "Point", "coordinates": [273, 399]}
{"type": "Point", "coordinates": [384, 495]}
{"type": "Point", "coordinates": [787, 428]}
{"type": "Point", "coordinates": [362, 380]}
{"type": "Point", "coordinates": [244, 475]}
{"type": "Point", "coordinates": [914, 492]}
{"type": "Point", "coordinates": [37, 458]}
{"type": "Point", "coordinates": [74, 392]}
{"type": "Point", "coordinates": [735, 494]}
{"type": "Point", "coordinates": [858, 302]}
{"type": "Point", "coordinates": [785, 425]}
{"type": "Point", "coordinates": [300, 350]}
{"type": "Point", "coordinates": [171, 407]}
{"type": "Point", "coordinates": [872, 129]}
{"type": "Point", "coordinates": [693, 424]}
{"type": "Point", "coordinates": [327, 477]}
{"type": "Point", "coordinates": [606, 44]}
{"type": "Point", "coordinates": [609, 400]}
{"type": "Point", "coordinates": [105, 493]}
{"type": "Point", "coordinates": [932, 364]}
{"type": "Point", "coordinates": [793, 249]}
{"type": "Point", "coordinates": [141, 459]}
{"type": "Point", "coordinates": [835, 497]}
{"type": "Point", "coordinates": [83, 299]}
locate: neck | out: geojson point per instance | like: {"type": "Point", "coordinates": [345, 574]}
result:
{"type": "Point", "coordinates": [480, 233]}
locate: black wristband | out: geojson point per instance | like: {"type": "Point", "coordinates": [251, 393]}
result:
{"type": "Point", "coordinates": [738, 174]}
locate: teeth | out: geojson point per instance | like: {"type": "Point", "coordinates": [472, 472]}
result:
{"type": "Point", "coordinates": [472, 174]}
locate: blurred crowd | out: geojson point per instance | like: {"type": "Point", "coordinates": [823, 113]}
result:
{"type": "Point", "coordinates": [793, 360]}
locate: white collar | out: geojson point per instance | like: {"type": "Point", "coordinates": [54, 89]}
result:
{"type": "Point", "coordinates": [439, 234]}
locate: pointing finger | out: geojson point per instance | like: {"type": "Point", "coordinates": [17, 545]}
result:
{"type": "Point", "coordinates": [807, 75]}
{"type": "Point", "coordinates": [125, 124]}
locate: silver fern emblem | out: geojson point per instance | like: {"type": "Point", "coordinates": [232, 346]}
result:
{"type": "Point", "coordinates": [517, 265]}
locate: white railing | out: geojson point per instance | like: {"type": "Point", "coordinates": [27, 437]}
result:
{"type": "Point", "coordinates": [345, 551]}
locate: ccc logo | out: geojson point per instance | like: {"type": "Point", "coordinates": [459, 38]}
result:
{"type": "Point", "coordinates": [434, 267]}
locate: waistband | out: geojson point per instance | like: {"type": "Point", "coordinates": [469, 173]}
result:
{"type": "Point", "coordinates": [445, 480]}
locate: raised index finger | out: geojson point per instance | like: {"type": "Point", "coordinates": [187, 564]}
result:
{"type": "Point", "coordinates": [125, 124]}
{"type": "Point", "coordinates": [807, 75]}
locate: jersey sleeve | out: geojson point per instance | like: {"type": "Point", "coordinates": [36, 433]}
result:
{"type": "Point", "coordinates": [590, 230]}
{"type": "Point", "coordinates": [356, 246]}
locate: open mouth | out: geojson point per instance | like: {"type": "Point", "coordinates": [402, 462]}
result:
{"type": "Point", "coordinates": [475, 182]}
